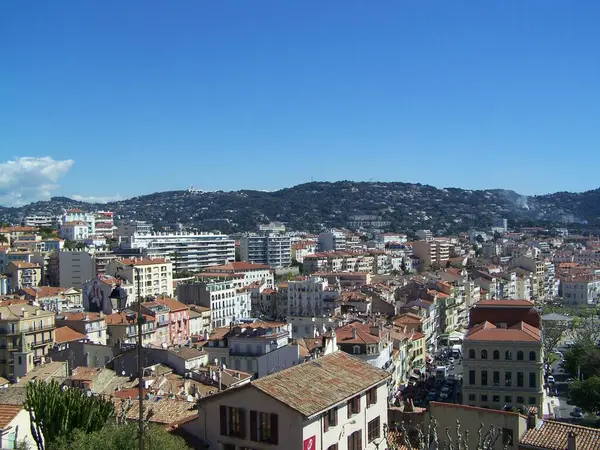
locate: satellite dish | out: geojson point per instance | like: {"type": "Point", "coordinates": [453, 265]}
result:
{"type": "Point", "coordinates": [224, 367]}
{"type": "Point", "coordinates": [216, 361]}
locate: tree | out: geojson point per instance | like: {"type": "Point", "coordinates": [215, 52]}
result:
{"type": "Point", "coordinates": [3, 239]}
{"type": "Point", "coordinates": [553, 332]}
{"type": "Point", "coordinates": [121, 437]}
{"type": "Point", "coordinates": [587, 329]}
{"type": "Point", "coordinates": [583, 359]}
{"type": "Point", "coordinates": [586, 394]}
{"type": "Point", "coordinates": [57, 412]}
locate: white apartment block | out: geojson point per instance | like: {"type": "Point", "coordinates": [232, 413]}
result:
{"type": "Point", "coordinates": [308, 297]}
{"type": "Point", "coordinates": [40, 221]}
{"type": "Point", "coordinates": [156, 275]}
{"type": "Point", "coordinates": [190, 252]}
{"type": "Point", "coordinates": [581, 291]}
{"type": "Point", "coordinates": [273, 227]}
{"type": "Point", "coordinates": [271, 249]}
{"type": "Point", "coordinates": [332, 241]}
{"type": "Point", "coordinates": [250, 273]}
{"type": "Point", "coordinates": [74, 231]}
{"type": "Point", "coordinates": [301, 249]}
{"type": "Point", "coordinates": [343, 262]}
{"type": "Point", "coordinates": [104, 223]}
{"type": "Point", "coordinates": [337, 402]}
{"type": "Point", "coordinates": [424, 235]}
{"type": "Point", "coordinates": [77, 215]}
{"type": "Point", "coordinates": [74, 268]}
{"type": "Point", "coordinates": [127, 230]}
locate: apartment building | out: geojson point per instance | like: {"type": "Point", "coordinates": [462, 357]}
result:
{"type": "Point", "coordinates": [7, 255]}
{"type": "Point", "coordinates": [301, 249]}
{"type": "Point", "coordinates": [92, 325]}
{"type": "Point", "coordinates": [155, 275]}
{"type": "Point", "coordinates": [122, 328]}
{"type": "Point", "coordinates": [190, 252]}
{"type": "Point", "coordinates": [179, 320]}
{"type": "Point", "coordinates": [309, 297]}
{"type": "Point", "coordinates": [336, 402]}
{"type": "Point", "coordinates": [250, 273]}
{"type": "Point", "coordinates": [271, 249]}
{"type": "Point", "coordinates": [340, 262]}
{"type": "Point", "coordinates": [26, 338]}
{"type": "Point", "coordinates": [53, 298]}
{"type": "Point", "coordinates": [424, 235]}
{"type": "Point", "coordinates": [432, 252]}
{"type": "Point", "coordinates": [74, 268]}
{"type": "Point", "coordinates": [257, 347]}
{"type": "Point", "coordinates": [104, 223]}
{"type": "Point", "coordinates": [369, 342]}
{"type": "Point", "coordinates": [503, 357]}
{"type": "Point", "coordinates": [40, 221]}
{"type": "Point", "coordinates": [332, 241]}
{"type": "Point", "coordinates": [162, 329]}
{"type": "Point", "coordinates": [74, 231]}
{"type": "Point", "coordinates": [221, 293]}
{"type": "Point", "coordinates": [78, 215]}
{"type": "Point", "coordinates": [582, 290]}
{"type": "Point", "coordinates": [23, 274]}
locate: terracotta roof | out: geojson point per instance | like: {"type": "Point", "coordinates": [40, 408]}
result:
{"type": "Point", "coordinates": [407, 318]}
{"type": "Point", "coordinates": [552, 435]}
{"type": "Point", "coordinates": [504, 311]}
{"type": "Point", "coordinates": [520, 332]}
{"type": "Point", "coordinates": [25, 265]}
{"type": "Point", "coordinates": [172, 304]}
{"type": "Point", "coordinates": [85, 373]}
{"type": "Point", "coordinates": [235, 266]}
{"type": "Point", "coordinates": [66, 334]}
{"type": "Point", "coordinates": [164, 411]}
{"type": "Point", "coordinates": [363, 334]}
{"type": "Point", "coordinates": [268, 291]}
{"type": "Point", "coordinates": [120, 318]}
{"type": "Point", "coordinates": [44, 291]}
{"type": "Point", "coordinates": [316, 385]}
{"type": "Point", "coordinates": [416, 336]}
{"type": "Point", "coordinates": [89, 316]}
{"type": "Point", "coordinates": [142, 261]}
{"type": "Point", "coordinates": [8, 413]}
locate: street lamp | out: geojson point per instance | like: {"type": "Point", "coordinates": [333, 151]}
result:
{"type": "Point", "coordinates": [118, 294]}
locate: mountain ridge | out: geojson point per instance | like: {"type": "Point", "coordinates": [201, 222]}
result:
{"type": "Point", "coordinates": [315, 205]}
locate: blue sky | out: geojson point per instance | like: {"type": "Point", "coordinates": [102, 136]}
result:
{"type": "Point", "coordinates": [125, 98]}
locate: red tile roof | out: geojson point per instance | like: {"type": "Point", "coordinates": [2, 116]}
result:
{"type": "Point", "coordinates": [142, 261]}
{"type": "Point", "coordinates": [8, 413]}
{"type": "Point", "coordinates": [89, 316]}
{"type": "Point", "coordinates": [520, 332]}
{"type": "Point", "coordinates": [120, 318]}
{"type": "Point", "coordinates": [66, 334]}
{"type": "Point", "coordinates": [552, 435]}
{"type": "Point", "coordinates": [344, 334]}
{"type": "Point", "coordinates": [172, 304]}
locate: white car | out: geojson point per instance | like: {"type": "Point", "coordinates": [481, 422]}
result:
{"type": "Point", "coordinates": [451, 360]}
{"type": "Point", "coordinates": [550, 379]}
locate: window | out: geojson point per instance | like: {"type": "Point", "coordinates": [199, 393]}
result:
{"type": "Point", "coordinates": [532, 379]}
{"type": "Point", "coordinates": [507, 436]}
{"type": "Point", "coordinates": [508, 355]}
{"type": "Point", "coordinates": [507, 378]}
{"type": "Point", "coordinates": [353, 406]}
{"type": "Point", "coordinates": [520, 400]}
{"type": "Point", "coordinates": [333, 447]}
{"type": "Point", "coordinates": [330, 419]}
{"type": "Point", "coordinates": [233, 421]}
{"type": "Point", "coordinates": [228, 446]}
{"type": "Point", "coordinates": [355, 441]}
{"type": "Point", "coordinates": [508, 399]}
{"type": "Point", "coordinates": [264, 427]}
{"type": "Point", "coordinates": [520, 355]}
{"type": "Point", "coordinates": [472, 397]}
{"type": "Point", "coordinates": [520, 379]}
{"type": "Point", "coordinates": [483, 354]}
{"type": "Point", "coordinates": [484, 377]}
{"type": "Point", "coordinates": [356, 349]}
{"type": "Point", "coordinates": [471, 354]}
{"type": "Point", "coordinates": [373, 429]}
{"type": "Point", "coordinates": [484, 397]}
{"type": "Point", "coordinates": [471, 377]}
{"type": "Point", "coordinates": [371, 396]}
{"type": "Point", "coordinates": [532, 400]}
{"type": "Point", "coordinates": [496, 376]}
{"type": "Point", "coordinates": [531, 356]}
{"type": "Point", "coordinates": [496, 354]}
{"type": "Point", "coordinates": [496, 398]}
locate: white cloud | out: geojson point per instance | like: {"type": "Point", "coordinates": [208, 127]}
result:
{"type": "Point", "coordinates": [100, 199]}
{"type": "Point", "coordinates": [27, 179]}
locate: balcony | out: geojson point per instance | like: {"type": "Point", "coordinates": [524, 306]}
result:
{"type": "Point", "coordinates": [36, 329]}
{"type": "Point", "coordinates": [41, 342]}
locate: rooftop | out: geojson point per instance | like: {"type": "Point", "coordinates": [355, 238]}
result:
{"type": "Point", "coordinates": [487, 331]}
{"type": "Point", "coordinates": [25, 265]}
{"type": "Point", "coordinates": [80, 316]}
{"type": "Point", "coordinates": [172, 304]}
{"type": "Point", "coordinates": [164, 410]}
{"type": "Point", "coordinates": [8, 413]}
{"type": "Point", "coordinates": [316, 385]}
{"type": "Point", "coordinates": [142, 261]}
{"type": "Point", "coordinates": [66, 334]}
{"type": "Point", "coordinates": [18, 311]}
{"type": "Point", "coordinates": [550, 435]}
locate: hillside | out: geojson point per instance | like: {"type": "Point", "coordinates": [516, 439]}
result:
{"type": "Point", "coordinates": [312, 206]}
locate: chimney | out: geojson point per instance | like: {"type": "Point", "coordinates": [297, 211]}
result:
{"type": "Point", "coordinates": [375, 330]}
{"type": "Point", "coordinates": [571, 441]}
{"type": "Point", "coordinates": [353, 333]}
{"type": "Point", "coordinates": [531, 420]}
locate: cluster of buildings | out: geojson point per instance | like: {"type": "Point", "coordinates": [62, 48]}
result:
{"type": "Point", "coordinates": [316, 335]}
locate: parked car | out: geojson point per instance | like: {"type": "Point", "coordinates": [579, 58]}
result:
{"type": "Point", "coordinates": [576, 415]}
{"type": "Point", "coordinates": [550, 379]}
{"type": "Point", "coordinates": [431, 395]}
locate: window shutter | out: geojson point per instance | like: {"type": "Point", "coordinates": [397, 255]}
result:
{"type": "Point", "coordinates": [326, 421]}
{"type": "Point", "coordinates": [253, 426]}
{"type": "Point", "coordinates": [351, 442]}
{"type": "Point", "coordinates": [374, 395]}
{"type": "Point", "coordinates": [368, 398]}
{"type": "Point", "coordinates": [349, 408]}
{"type": "Point", "coordinates": [357, 404]}
{"type": "Point", "coordinates": [335, 417]}
{"type": "Point", "coordinates": [223, 421]}
{"type": "Point", "coordinates": [274, 429]}
{"type": "Point", "coordinates": [242, 423]}
{"type": "Point", "coordinates": [359, 439]}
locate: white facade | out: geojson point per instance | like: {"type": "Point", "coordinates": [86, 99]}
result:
{"type": "Point", "coordinates": [75, 268]}
{"type": "Point", "coordinates": [333, 240]}
{"type": "Point", "coordinates": [188, 252]}
{"type": "Point", "coordinates": [77, 215]}
{"type": "Point", "coordinates": [74, 231]}
{"type": "Point", "coordinates": [156, 275]}
{"type": "Point", "coordinates": [306, 297]}
{"type": "Point", "coordinates": [580, 291]}
{"type": "Point", "coordinates": [40, 221]}
{"type": "Point", "coordinates": [104, 223]}
{"type": "Point", "coordinates": [272, 249]}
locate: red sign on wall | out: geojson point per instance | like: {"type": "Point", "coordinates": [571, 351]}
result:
{"type": "Point", "coordinates": [310, 443]}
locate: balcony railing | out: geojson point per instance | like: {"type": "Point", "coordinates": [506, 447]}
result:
{"type": "Point", "coordinates": [41, 342]}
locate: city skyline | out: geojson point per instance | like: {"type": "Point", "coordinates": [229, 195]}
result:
{"type": "Point", "coordinates": [112, 102]}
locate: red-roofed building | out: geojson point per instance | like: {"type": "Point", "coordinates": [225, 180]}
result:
{"type": "Point", "coordinates": [502, 351]}
{"type": "Point", "coordinates": [179, 316]}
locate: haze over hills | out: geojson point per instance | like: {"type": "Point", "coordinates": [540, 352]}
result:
{"type": "Point", "coordinates": [312, 206]}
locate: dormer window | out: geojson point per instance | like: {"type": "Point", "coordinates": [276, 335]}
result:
{"type": "Point", "coordinates": [356, 349]}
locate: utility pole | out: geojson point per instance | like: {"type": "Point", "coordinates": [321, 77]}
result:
{"type": "Point", "coordinates": [139, 358]}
